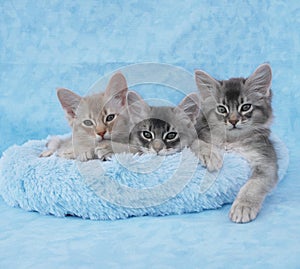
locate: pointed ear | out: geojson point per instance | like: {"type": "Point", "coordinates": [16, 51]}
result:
{"type": "Point", "coordinates": [69, 101]}
{"type": "Point", "coordinates": [206, 84]}
{"type": "Point", "coordinates": [260, 80]}
{"type": "Point", "coordinates": [116, 90]}
{"type": "Point", "coordinates": [138, 109]}
{"type": "Point", "coordinates": [190, 105]}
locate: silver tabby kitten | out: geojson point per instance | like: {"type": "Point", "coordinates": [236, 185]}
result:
{"type": "Point", "coordinates": [238, 113]}
{"type": "Point", "coordinates": [91, 118]}
{"type": "Point", "coordinates": [160, 130]}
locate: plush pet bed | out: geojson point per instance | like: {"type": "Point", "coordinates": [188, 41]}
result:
{"type": "Point", "coordinates": [123, 187]}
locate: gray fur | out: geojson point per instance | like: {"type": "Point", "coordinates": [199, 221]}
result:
{"type": "Point", "coordinates": [237, 114]}
{"type": "Point", "coordinates": [159, 121]}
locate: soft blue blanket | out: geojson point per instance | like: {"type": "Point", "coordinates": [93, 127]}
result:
{"type": "Point", "coordinates": [124, 187]}
{"type": "Point", "coordinates": [72, 43]}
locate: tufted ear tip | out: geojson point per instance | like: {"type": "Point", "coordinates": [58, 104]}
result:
{"type": "Point", "coordinates": [190, 105]}
{"type": "Point", "coordinates": [136, 106]}
{"type": "Point", "coordinates": [117, 85]}
{"type": "Point", "coordinates": [68, 100]}
{"type": "Point", "coordinates": [261, 79]}
{"type": "Point", "coordinates": [206, 84]}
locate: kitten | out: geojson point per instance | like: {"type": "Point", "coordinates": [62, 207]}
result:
{"type": "Point", "coordinates": [91, 118]}
{"type": "Point", "coordinates": [160, 130]}
{"type": "Point", "coordinates": [238, 113]}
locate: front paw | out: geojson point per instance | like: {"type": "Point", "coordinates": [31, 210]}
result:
{"type": "Point", "coordinates": [85, 156]}
{"type": "Point", "coordinates": [243, 211]}
{"type": "Point", "coordinates": [104, 151]}
{"type": "Point", "coordinates": [46, 153]}
{"type": "Point", "coordinates": [209, 155]}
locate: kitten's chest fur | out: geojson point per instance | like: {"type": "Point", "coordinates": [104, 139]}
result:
{"type": "Point", "coordinates": [256, 149]}
{"type": "Point", "coordinates": [246, 150]}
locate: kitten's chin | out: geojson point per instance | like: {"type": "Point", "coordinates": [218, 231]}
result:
{"type": "Point", "coordinates": [98, 139]}
{"type": "Point", "coordinates": [233, 129]}
{"type": "Point", "coordinates": [166, 152]}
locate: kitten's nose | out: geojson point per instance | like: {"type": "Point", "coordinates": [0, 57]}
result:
{"type": "Point", "coordinates": [157, 145]}
{"type": "Point", "coordinates": [101, 133]}
{"type": "Point", "coordinates": [233, 121]}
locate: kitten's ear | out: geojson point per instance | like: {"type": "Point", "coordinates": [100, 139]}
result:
{"type": "Point", "coordinates": [69, 101]}
{"type": "Point", "coordinates": [206, 84]}
{"type": "Point", "coordinates": [260, 80]}
{"type": "Point", "coordinates": [116, 90]}
{"type": "Point", "coordinates": [190, 105]}
{"type": "Point", "coordinates": [138, 109]}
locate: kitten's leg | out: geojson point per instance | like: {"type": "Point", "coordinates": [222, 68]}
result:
{"type": "Point", "coordinates": [66, 150]}
{"type": "Point", "coordinates": [251, 196]}
{"type": "Point", "coordinates": [107, 148]}
{"type": "Point", "coordinates": [83, 146]}
{"type": "Point", "coordinates": [52, 146]}
{"type": "Point", "coordinates": [208, 154]}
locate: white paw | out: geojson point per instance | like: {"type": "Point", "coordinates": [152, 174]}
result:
{"type": "Point", "coordinates": [210, 156]}
{"type": "Point", "coordinates": [243, 211]}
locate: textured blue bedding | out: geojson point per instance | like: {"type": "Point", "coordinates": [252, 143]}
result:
{"type": "Point", "coordinates": [126, 186]}
{"type": "Point", "coordinates": [49, 44]}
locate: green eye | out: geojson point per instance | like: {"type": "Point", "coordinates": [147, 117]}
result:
{"type": "Point", "coordinates": [171, 136]}
{"type": "Point", "coordinates": [222, 109]}
{"type": "Point", "coordinates": [147, 135]}
{"type": "Point", "coordinates": [246, 107]}
{"type": "Point", "coordinates": [110, 117]}
{"type": "Point", "coordinates": [88, 123]}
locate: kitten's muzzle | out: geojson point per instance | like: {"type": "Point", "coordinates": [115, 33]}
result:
{"type": "Point", "coordinates": [233, 121]}
{"type": "Point", "coordinates": [157, 145]}
{"type": "Point", "coordinates": [101, 133]}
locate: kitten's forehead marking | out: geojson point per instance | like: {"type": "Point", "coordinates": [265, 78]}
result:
{"type": "Point", "coordinates": [233, 89]}
{"type": "Point", "coordinates": [158, 126]}
{"type": "Point", "coordinates": [234, 93]}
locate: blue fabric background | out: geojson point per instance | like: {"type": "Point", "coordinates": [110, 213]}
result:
{"type": "Point", "coordinates": [47, 44]}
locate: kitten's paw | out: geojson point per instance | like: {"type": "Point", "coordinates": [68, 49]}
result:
{"type": "Point", "coordinates": [103, 153]}
{"type": "Point", "coordinates": [85, 156]}
{"type": "Point", "coordinates": [210, 156]}
{"type": "Point", "coordinates": [243, 212]}
{"type": "Point", "coordinates": [46, 153]}
{"type": "Point", "coordinates": [214, 161]}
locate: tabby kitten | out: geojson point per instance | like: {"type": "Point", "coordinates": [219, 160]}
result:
{"type": "Point", "coordinates": [91, 118]}
{"type": "Point", "coordinates": [160, 130]}
{"type": "Point", "coordinates": [238, 115]}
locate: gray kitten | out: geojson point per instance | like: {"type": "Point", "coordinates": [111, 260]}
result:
{"type": "Point", "coordinates": [238, 115]}
{"type": "Point", "coordinates": [161, 130]}
{"type": "Point", "coordinates": [91, 118]}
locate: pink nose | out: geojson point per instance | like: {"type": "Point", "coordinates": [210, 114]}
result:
{"type": "Point", "coordinates": [233, 121]}
{"type": "Point", "coordinates": [101, 133]}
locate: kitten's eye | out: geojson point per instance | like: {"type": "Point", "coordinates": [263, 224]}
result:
{"type": "Point", "coordinates": [110, 117]}
{"type": "Point", "coordinates": [246, 107]}
{"type": "Point", "coordinates": [147, 135]}
{"type": "Point", "coordinates": [88, 123]}
{"type": "Point", "coordinates": [171, 136]}
{"type": "Point", "coordinates": [222, 109]}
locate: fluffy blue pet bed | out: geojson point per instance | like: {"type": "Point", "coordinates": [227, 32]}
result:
{"type": "Point", "coordinates": [124, 187]}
